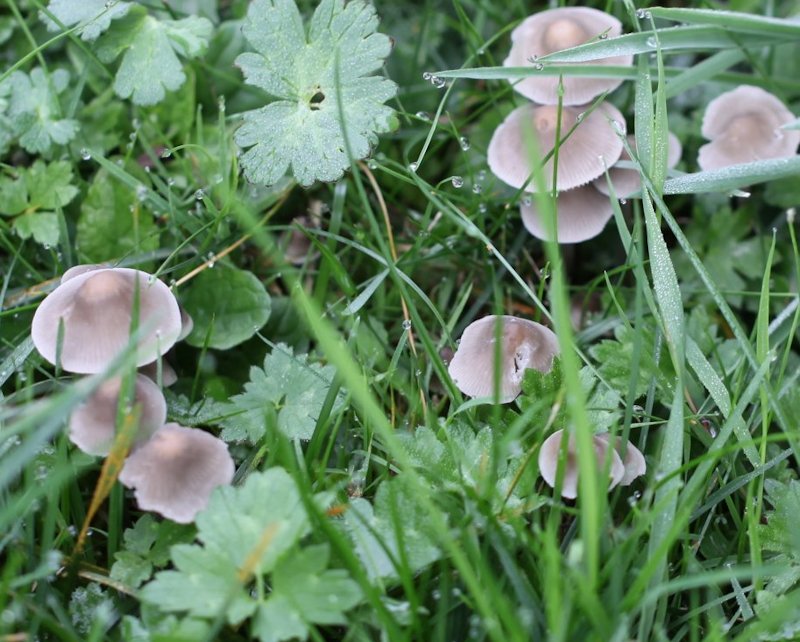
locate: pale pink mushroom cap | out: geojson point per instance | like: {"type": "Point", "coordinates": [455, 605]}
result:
{"type": "Point", "coordinates": [96, 308]}
{"type": "Point", "coordinates": [168, 374]}
{"type": "Point", "coordinates": [592, 146]}
{"type": "Point", "coordinates": [77, 270]}
{"type": "Point", "coordinates": [175, 472]}
{"type": "Point", "coordinates": [555, 30]}
{"type": "Point", "coordinates": [634, 462]}
{"type": "Point", "coordinates": [627, 182]}
{"type": "Point", "coordinates": [582, 214]}
{"type": "Point", "coordinates": [187, 324]}
{"type": "Point", "coordinates": [92, 426]}
{"type": "Point", "coordinates": [524, 344]}
{"type": "Point", "coordinates": [549, 458]}
{"type": "Point", "coordinates": [744, 125]}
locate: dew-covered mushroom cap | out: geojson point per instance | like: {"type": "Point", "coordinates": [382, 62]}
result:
{"type": "Point", "coordinates": [175, 472]}
{"type": "Point", "coordinates": [582, 214]}
{"type": "Point", "coordinates": [627, 182]}
{"type": "Point", "coordinates": [523, 344]}
{"type": "Point", "coordinates": [554, 30]}
{"type": "Point", "coordinates": [633, 462]}
{"type": "Point", "coordinates": [745, 125]}
{"type": "Point", "coordinates": [549, 456]}
{"type": "Point", "coordinates": [96, 308]}
{"type": "Point", "coordinates": [92, 425]}
{"type": "Point", "coordinates": [593, 145]}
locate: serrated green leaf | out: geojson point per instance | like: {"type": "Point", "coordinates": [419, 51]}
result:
{"type": "Point", "coordinates": [94, 16]}
{"type": "Point", "coordinates": [276, 620]}
{"type": "Point", "coordinates": [43, 227]}
{"type": "Point", "coordinates": [378, 533]}
{"type": "Point", "coordinates": [150, 47]}
{"type": "Point", "coordinates": [319, 78]}
{"type": "Point", "coordinates": [49, 186]}
{"type": "Point", "coordinates": [110, 225]}
{"type": "Point", "coordinates": [780, 533]}
{"type": "Point", "coordinates": [35, 111]}
{"type": "Point", "coordinates": [228, 306]}
{"type": "Point", "coordinates": [287, 386]}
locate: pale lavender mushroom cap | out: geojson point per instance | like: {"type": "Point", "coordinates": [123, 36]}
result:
{"type": "Point", "coordinates": [187, 324]}
{"type": "Point", "coordinates": [627, 182]}
{"type": "Point", "coordinates": [590, 148]}
{"type": "Point", "coordinates": [77, 270]}
{"type": "Point", "coordinates": [634, 462]}
{"type": "Point", "coordinates": [175, 472]}
{"type": "Point", "coordinates": [582, 214]}
{"type": "Point", "coordinates": [744, 125]}
{"type": "Point", "coordinates": [524, 344]}
{"type": "Point", "coordinates": [168, 374]}
{"type": "Point", "coordinates": [92, 426]}
{"type": "Point", "coordinates": [96, 309]}
{"type": "Point", "coordinates": [549, 456]}
{"type": "Point", "coordinates": [555, 30]}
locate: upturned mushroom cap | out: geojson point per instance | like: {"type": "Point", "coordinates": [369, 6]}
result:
{"type": "Point", "coordinates": [627, 182]}
{"type": "Point", "coordinates": [634, 461]}
{"type": "Point", "coordinates": [92, 426]}
{"type": "Point", "coordinates": [549, 456]}
{"type": "Point", "coordinates": [744, 125]}
{"type": "Point", "coordinates": [555, 30]}
{"type": "Point", "coordinates": [96, 309]}
{"type": "Point", "coordinates": [524, 344]}
{"type": "Point", "coordinates": [592, 146]}
{"type": "Point", "coordinates": [582, 214]}
{"type": "Point", "coordinates": [175, 471]}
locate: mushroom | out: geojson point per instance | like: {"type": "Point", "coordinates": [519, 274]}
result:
{"type": "Point", "coordinates": [298, 247]}
{"type": "Point", "coordinates": [745, 125]}
{"type": "Point", "coordinates": [555, 30]}
{"type": "Point", "coordinates": [92, 425]}
{"type": "Point", "coordinates": [583, 154]}
{"type": "Point", "coordinates": [582, 213]}
{"type": "Point", "coordinates": [175, 472]}
{"type": "Point", "coordinates": [77, 270]}
{"type": "Point", "coordinates": [549, 455]}
{"type": "Point", "coordinates": [168, 374]}
{"type": "Point", "coordinates": [187, 324]}
{"type": "Point", "coordinates": [96, 308]}
{"type": "Point", "coordinates": [634, 462]}
{"type": "Point", "coordinates": [627, 182]}
{"type": "Point", "coordinates": [523, 344]}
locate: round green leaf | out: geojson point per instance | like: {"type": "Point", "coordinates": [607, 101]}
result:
{"type": "Point", "coordinates": [227, 305]}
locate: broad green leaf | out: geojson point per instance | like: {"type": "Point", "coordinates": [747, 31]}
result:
{"type": "Point", "coordinates": [228, 306]}
{"type": "Point", "coordinates": [111, 225]}
{"type": "Point", "coordinates": [35, 110]}
{"type": "Point", "coordinates": [287, 387]}
{"type": "Point", "coordinates": [395, 523]}
{"type": "Point", "coordinates": [50, 186]}
{"type": "Point", "coordinates": [150, 48]}
{"type": "Point", "coordinates": [43, 227]}
{"type": "Point", "coordinates": [94, 16]}
{"type": "Point", "coordinates": [780, 533]}
{"type": "Point", "coordinates": [319, 77]}
{"type": "Point", "coordinates": [276, 620]}
{"type": "Point", "coordinates": [243, 531]}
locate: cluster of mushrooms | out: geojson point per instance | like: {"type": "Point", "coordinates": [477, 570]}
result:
{"type": "Point", "coordinates": [86, 324]}
{"type": "Point", "coordinates": [744, 125]}
{"type": "Point", "coordinates": [514, 345]}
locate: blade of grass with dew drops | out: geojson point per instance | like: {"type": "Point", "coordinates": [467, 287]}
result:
{"type": "Point", "coordinates": [703, 70]}
{"type": "Point", "coordinates": [734, 177]}
{"type": "Point", "coordinates": [731, 20]}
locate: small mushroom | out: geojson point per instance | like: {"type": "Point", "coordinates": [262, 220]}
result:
{"type": "Point", "coordinates": [745, 125]}
{"type": "Point", "coordinates": [96, 308]}
{"type": "Point", "coordinates": [168, 374]}
{"type": "Point", "coordinates": [92, 425]}
{"type": "Point", "coordinates": [634, 461]}
{"type": "Point", "coordinates": [583, 155]}
{"type": "Point", "coordinates": [523, 344]}
{"type": "Point", "coordinates": [554, 30]}
{"type": "Point", "coordinates": [582, 214]}
{"type": "Point", "coordinates": [549, 459]}
{"type": "Point", "coordinates": [175, 472]}
{"type": "Point", "coordinates": [627, 182]}
{"type": "Point", "coordinates": [298, 247]}
{"type": "Point", "coordinates": [77, 270]}
{"type": "Point", "coordinates": [187, 324]}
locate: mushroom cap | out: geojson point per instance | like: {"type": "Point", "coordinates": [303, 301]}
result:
{"type": "Point", "coordinates": [187, 324]}
{"type": "Point", "coordinates": [549, 456]}
{"type": "Point", "coordinates": [555, 30]}
{"type": "Point", "coordinates": [175, 471]}
{"type": "Point", "coordinates": [77, 270]}
{"type": "Point", "coordinates": [744, 125]}
{"type": "Point", "coordinates": [634, 461]}
{"type": "Point", "coordinates": [627, 182]}
{"type": "Point", "coordinates": [92, 425]}
{"type": "Point", "coordinates": [96, 309]}
{"type": "Point", "coordinates": [168, 374]}
{"type": "Point", "coordinates": [582, 214]}
{"type": "Point", "coordinates": [524, 344]}
{"type": "Point", "coordinates": [298, 247]}
{"type": "Point", "coordinates": [592, 146]}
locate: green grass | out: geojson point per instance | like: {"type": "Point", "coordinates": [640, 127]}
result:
{"type": "Point", "coordinates": [689, 301]}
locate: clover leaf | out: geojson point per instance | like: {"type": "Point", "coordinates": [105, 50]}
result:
{"type": "Point", "coordinates": [328, 109]}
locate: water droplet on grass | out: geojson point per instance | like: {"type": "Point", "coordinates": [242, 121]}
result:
{"type": "Point", "coordinates": [457, 181]}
